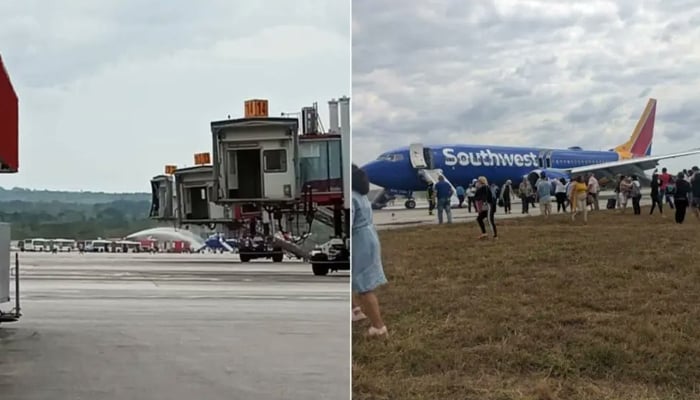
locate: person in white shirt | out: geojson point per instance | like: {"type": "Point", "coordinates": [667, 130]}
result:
{"type": "Point", "coordinates": [560, 194]}
{"type": "Point", "coordinates": [593, 190]}
{"type": "Point", "coordinates": [471, 190]}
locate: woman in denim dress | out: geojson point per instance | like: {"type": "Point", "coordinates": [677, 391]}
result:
{"type": "Point", "coordinates": [367, 270]}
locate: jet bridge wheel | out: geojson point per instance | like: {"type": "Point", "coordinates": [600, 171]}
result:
{"type": "Point", "coordinates": [319, 264]}
{"type": "Point", "coordinates": [278, 257]}
{"type": "Point", "coordinates": [410, 204]}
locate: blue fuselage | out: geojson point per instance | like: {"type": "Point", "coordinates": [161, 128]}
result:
{"type": "Point", "coordinates": [463, 163]}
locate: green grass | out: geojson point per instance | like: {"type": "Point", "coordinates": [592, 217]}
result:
{"type": "Point", "coordinates": [552, 310]}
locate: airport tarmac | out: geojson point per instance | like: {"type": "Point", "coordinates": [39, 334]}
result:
{"type": "Point", "coordinates": [175, 326]}
{"type": "Point", "coordinates": [397, 216]}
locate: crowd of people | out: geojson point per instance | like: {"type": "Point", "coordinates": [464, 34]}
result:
{"type": "Point", "coordinates": [576, 196]}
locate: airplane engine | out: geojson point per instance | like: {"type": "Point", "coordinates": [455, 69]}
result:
{"type": "Point", "coordinates": [550, 173]}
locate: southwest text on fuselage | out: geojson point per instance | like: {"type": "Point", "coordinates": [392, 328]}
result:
{"type": "Point", "coordinates": [488, 158]}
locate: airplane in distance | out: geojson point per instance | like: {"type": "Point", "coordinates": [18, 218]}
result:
{"type": "Point", "coordinates": [408, 169]}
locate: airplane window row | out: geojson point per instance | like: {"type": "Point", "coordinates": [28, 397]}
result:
{"type": "Point", "coordinates": [580, 162]}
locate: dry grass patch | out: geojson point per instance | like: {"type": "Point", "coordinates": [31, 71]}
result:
{"type": "Point", "coordinates": [610, 310]}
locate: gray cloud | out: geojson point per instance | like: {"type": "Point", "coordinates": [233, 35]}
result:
{"type": "Point", "coordinates": [564, 73]}
{"type": "Point", "coordinates": [111, 91]}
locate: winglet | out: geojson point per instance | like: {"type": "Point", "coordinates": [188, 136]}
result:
{"type": "Point", "coordinates": [639, 144]}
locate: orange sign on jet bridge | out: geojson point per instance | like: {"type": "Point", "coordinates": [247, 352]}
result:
{"type": "Point", "coordinates": [9, 124]}
{"type": "Point", "coordinates": [255, 108]}
{"type": "Point", "coordinates": [202, 159]}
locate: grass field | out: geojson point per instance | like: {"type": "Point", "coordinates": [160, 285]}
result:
{"type": "Point", "coordinates": [551, 310]}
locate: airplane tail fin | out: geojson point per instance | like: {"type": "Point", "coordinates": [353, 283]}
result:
{"type": "Point", "coordinates": [639, 144]}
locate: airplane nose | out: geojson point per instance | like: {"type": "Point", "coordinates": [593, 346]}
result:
{"type": "Point", "coordinates": [372, 171]}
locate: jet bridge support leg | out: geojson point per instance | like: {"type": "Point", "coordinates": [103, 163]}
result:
{"type": "Point", "coordinates": [5, 267]}
{"type": "Point", "coordinates": [258, 245]}
{"type": "Point", "coordinates": [334, 255]}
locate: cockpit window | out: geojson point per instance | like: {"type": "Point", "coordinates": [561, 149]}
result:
{"type": "Point", "coordinates": [390, 157]}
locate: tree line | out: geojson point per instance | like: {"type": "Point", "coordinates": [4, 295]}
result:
{"type": "Point", "coordinates": [75, 220]}
{"type": "Point", "coordinates": [42, 195]}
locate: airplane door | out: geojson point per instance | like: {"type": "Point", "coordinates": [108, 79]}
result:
{"type": "Point", "coordinates": [417, 156]}
{"type": "Point", "coordinates": [548, 159]}
{"type": "Point", "coordinates": [428, 157]}
{"type": "Point", "coordinates": [541, 159]}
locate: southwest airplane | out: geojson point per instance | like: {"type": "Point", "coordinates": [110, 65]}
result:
{"type": "Point", "coordinates": [405, 170]}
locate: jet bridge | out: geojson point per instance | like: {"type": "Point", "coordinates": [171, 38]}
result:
{"type": "Point", "coordinates": [194, 188]}
{"type": "Point", "coordinates": [266, 181]}
{"type": "Point", "coordinates": [255, 159]}
{"type": "Point", "coordinates": [163, 195]}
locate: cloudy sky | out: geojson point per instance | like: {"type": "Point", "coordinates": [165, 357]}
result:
{"type": "Point", "coordinates": [112, 90]}
{"type": "Point", "coordinates": [547, 73]}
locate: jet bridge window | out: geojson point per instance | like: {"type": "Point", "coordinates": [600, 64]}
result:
{"type": "Point", "coordinates": [320, 164]}
{"type": "Point", "coordinates": [275, 160]}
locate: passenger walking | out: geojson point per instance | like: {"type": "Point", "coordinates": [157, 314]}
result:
{"type": "Point", "coordinates": [367, 272]}
{"type": "Point", "coordinates": [636, 194]}
{"type": "Point", "coordinates": [569, 188]}
{"type": "Point", "coordinates": [655, 196]}
{"type": "Point", "coordinates": [544, 195]}
{"type": "Point", "coordinates": [443, 192]}
{"type": "Point", "coordinates": [495, 194]}
{"type": "Point", "coordinates": [460, 195]}
{"type": "Point", "coordinates": [560, 194]}
{"type": "Point", "coordinates": [470, 196]}
{"type": "Point", "coordinates": [625, 190]}
{"type": "Point", "coordinates": [618, 196]}
{"type": "Point", "coordinates": [431, 198]}
{"type": "Point", "coordinates": [525, 191]}
{"type": "Point", "coordinates": [507, 195]}
{"type": "Point", "coordinates": [681, 197]}
{"type": "Point", "coordinates": [670, 191]}
{"type": "Point", "coordinates": [695, 189]}
{"type": "Point", "coordinates": [593, 191]}
{"type": "Point", "coordinates": [484, 202]}
{"type": "Point", "coordinates": [666, 192]}
{"type": "Point", "coordinates": [579, 194]}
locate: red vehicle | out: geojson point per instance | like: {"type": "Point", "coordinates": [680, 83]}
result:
{"type": "Point", "coordinates": [181, 246]}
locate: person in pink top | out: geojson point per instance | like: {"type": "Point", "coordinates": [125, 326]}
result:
{"type": "Point", "coordinates": [666, 179]}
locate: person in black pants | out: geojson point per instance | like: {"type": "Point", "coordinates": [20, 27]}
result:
{"type": "Point", "coordinates": [655, 198]}
{"type": "Point", "coordinates": [636, 195]}
{"type": "Point", "coordinates": [484, 200]}
{"type": "Point", "coordinates": [681, 197]}
{"type": "Point", "coordinates": [506, 195]}
{"type": "Point", "coordinates": [431, 198]}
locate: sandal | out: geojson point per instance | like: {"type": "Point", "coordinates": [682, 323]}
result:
{"type": "Point", "coordinates": [357, 314]}
{"type": "Point", "coordinates": [378, 333]}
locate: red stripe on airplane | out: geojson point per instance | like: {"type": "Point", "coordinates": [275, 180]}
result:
{"type": "Point", "coordinates": [640, 146]}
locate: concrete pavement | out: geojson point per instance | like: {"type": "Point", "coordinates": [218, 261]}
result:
{"type": "Point", "coordinates": [122, 326]}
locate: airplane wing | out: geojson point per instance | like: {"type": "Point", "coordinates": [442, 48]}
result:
{"type": "Point", "coordinates": [630, 166]}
